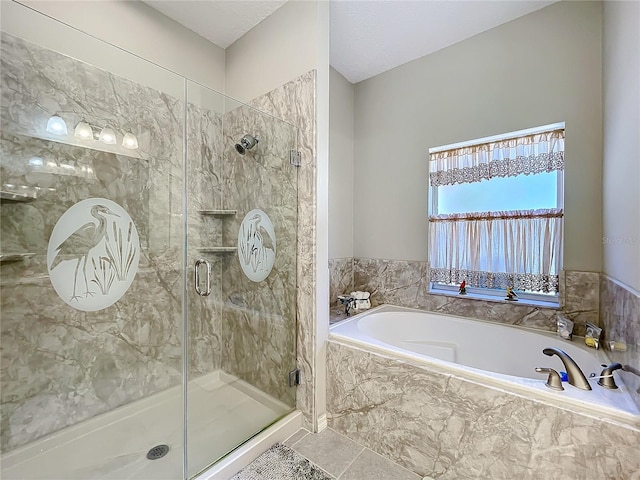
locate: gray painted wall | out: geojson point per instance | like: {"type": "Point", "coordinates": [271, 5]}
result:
{"type": "Point", "coordinates": [542, 68]}
{"type": "Point", "coordinates": [340, 166]}
{"type": "Point", "coordinates": [133, 26]}
{"type": "Point", "coordinates": [282, 47]}
{"type": "Point", "coordinates": [621, 170]}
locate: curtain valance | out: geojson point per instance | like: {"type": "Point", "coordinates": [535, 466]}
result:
{"type": "Point", "coordinates": [528, 154]}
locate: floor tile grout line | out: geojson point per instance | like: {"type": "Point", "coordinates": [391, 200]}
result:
{"type": "Point", "coordinates": [320, 468]}
{"type": "Point", "coordinates": [355, 457]}
{"type": "Point", "coordinates": [299, 440]}
{"type": "Point", "coordinates": [352, 461]}
{"type": "Point", "coordinates": [394, 462]}
{"type": "Point", "coordinates": [361, 452]}
{"type": "Point", "coordinates": [372, 451]}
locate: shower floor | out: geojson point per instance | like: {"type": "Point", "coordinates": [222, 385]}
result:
{"type": "Point", "coordinates": [223, 411]}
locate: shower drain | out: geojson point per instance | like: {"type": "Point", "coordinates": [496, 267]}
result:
{"type": "Point", "coordinates": [157, 452]}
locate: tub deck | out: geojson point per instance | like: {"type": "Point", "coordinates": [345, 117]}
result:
{"type": "Point", "coordinates": [498, 356]}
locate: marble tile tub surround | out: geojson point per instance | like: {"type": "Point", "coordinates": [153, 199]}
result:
{"type": "Point", "coordinates": [60, 365]}
{"type": "Point", "coordinates": [451, 428]}
{"type": "Point", "coordinates": [406, 284]}
{"type": "Point", "coordinates": [620, 317]}
{"type": "Point", "coordinates": [340, 278]}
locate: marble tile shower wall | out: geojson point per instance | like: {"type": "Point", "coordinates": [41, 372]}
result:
{"type": "Point", "coordinates": [204, 192]}
{"type": "Point", "coordinates": [406, 284]}
{"type": "Point", "coordinates": [450, 428]}
{"type": "Point", "coordinates": [61, 365]}
{"type": "Point", "coordinates": [620, 317]}
{"type": "Point", "coordinates": [295, 102]}
{"type": "Point", "coordinates": [259, 318]}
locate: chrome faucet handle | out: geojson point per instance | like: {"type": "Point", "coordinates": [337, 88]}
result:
{"type": "Point", "coordinates": [553, 381]}
{"type": "Point", "coordinates": [606, 379]}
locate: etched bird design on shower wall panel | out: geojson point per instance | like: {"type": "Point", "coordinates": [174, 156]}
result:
{"type": "Point", "coordinates": [94, 243]}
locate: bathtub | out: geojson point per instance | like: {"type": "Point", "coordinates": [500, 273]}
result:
{"type": "Point", "coordinates": [498, 356]}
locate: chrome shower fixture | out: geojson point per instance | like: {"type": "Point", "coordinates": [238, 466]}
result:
{"type": "Point", "coordinates": [246, 143]}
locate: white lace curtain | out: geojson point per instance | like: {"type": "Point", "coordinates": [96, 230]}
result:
{"type": "Point", "coordinates": [518, 249]}
{"type": "Point", "coordinates": [529, 154]}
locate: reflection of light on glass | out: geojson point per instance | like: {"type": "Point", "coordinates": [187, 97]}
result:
{"type": "Point", "coordinates": [83, 130]}
{"type": "Point", "coordinates": [56, 125]}
{"type": "Point", "coordinates": [130, 141]}
{"type": "Point", "coordinates": [108, 136]}
{"type": "Point", "coordinates": [51, 164]}
{"type": "Point", "coordinates": [68, 167]}
{"type": "Point", "coordinates": [36, 162]}
{"type": "Point", "coordinates": [51, 189]}
{"type": "Point", "coordinates": [9, 185]}
{"type": "Point", "coordinates": [24, 186]}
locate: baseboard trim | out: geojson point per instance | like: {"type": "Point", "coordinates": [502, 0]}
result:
{"type": "Point", "coordinates": [322, 422]}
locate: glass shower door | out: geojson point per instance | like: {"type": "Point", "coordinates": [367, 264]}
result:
{"type": "Point", "coordinates": [241, 264]}
{"type": "Point", "coordinates": [91, 259]}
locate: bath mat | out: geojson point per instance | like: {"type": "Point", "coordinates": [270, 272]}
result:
{"type": "Point", "coordinates": [281, 463]}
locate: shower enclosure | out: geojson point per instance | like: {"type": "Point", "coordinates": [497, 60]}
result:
{"type": "Point", "coordinates": [147, 269]}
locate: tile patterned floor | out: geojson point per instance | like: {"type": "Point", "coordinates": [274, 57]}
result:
{"type": "Point", "coordinates": [344, 459]}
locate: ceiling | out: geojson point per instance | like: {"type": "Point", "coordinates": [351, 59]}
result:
{"type": "Point", "coordinates": [368, 37]}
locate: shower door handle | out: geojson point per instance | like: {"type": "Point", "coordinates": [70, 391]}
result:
{"type": "Point", "coordinates": [199, 291]}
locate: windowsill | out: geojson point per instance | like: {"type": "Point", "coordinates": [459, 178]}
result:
{"type": "Point", "coordinates": [495, 299]}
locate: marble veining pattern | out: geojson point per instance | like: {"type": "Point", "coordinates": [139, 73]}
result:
{"type": "Point", "coordinates": [295, 102]}
{"type": "Point", "coordinates": [61, 366]}
{"type": "Point", "coordinates": [580, 298]}
{"type": "Point", "coordinates": [620, 318]}
{"type": "Point", "coordinates": [451, 428]}
{"type": "Point", "coordinates": [406, 284]}
{"type": "Point", "coordinates": [340, 278]}
{"type": "Point", "coordinates": [204, 192]}
{"type": "Point", "coordinates": [259, 318]}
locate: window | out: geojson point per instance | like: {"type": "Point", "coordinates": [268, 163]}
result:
{"type": "Point", "coordinates": [496, 212]}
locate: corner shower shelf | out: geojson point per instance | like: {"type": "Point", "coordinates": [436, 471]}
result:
{"type": "Point", "coordinates": [14, 257]}
{"type": "Point", "coordinates": [16, 197]}
{"type": "Point", "coordinates": [217, 213]}
{"type": "Point", "coordinates": [218, 249]}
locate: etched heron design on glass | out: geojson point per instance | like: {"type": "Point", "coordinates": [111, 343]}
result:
{"type": "Point", "coordinates": [261, 242]}
{"type": "Point", "coordinates": [256, 245]}
{"type": "Point", "coordinates": [79, 244]}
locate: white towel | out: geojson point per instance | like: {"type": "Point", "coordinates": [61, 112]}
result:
{"type": "Point", "coordinates": [360, 295]}
{"type": "Point", "coordinates": [362, 301]}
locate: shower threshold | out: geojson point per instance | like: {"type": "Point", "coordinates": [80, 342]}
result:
{"type": "Point", "coordinates": [223, 412]}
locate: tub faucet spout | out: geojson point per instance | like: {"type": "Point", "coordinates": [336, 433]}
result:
{"type": "Point", "coordinates": [574, 374]}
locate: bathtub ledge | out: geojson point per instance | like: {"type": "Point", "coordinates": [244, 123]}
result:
{"type": "Point", "coordinates": [533, 391]}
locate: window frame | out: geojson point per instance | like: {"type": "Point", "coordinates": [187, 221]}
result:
{"type": "Point", "coordinates": [539, 299]}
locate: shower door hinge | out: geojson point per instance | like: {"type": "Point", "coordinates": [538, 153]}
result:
{"type": "Point", "coordinates": [294, 377]}
{"type": "Point", "coordinates": [294, 158]}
